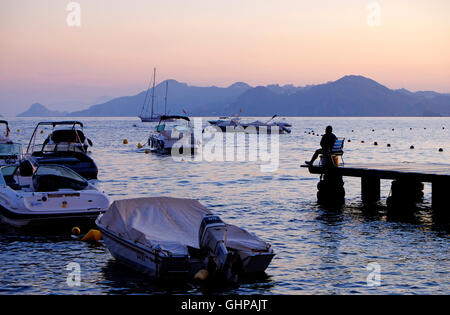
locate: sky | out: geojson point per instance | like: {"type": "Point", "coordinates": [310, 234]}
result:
{"type": "Point", "coordinates": [399, 43]}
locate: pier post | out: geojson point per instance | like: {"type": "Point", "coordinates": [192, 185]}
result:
{"type": "Point", "coordinates": [370, 189]}
{"type": "Point", "coordinates": [405, 193]}
{"type": "Point", "coordinates": [331, 189]}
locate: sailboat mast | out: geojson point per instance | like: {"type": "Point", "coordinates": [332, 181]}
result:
{"type": "Point", "coordinates": [165, 99]}
{"type": "Point", "coordinates": [153, 91]}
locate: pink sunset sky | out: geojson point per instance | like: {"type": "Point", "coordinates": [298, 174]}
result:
{"type": "Point", "coordinates": [214, 42]}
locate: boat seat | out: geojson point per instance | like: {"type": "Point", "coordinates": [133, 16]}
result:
{"type": "Point", "coordinates": [26, 169]}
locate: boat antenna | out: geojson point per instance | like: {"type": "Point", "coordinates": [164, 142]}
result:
{"type": "Point", "coordinates": [153, 91]}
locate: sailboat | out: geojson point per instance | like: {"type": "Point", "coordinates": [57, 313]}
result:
{"type": "Point", "coordinates": [144, 115]}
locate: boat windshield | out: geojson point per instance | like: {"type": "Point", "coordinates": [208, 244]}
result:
{"type": "Point", "coordinates": [10, 149]}
{"type": "Point", "coordinates": [58, 170]}
{"type": "Point", "coordinates": [180, 128]}
{"type": "Point", "coordinates": [63, 147]}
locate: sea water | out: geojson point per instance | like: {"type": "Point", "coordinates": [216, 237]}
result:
{"type": "Point", "coordinates": [318, 250]}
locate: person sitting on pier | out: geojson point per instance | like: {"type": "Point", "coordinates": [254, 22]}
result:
{"type": "Point", "coordinates": [327, 143]}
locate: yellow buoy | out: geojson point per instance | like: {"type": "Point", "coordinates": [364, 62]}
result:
{"type": "Point", "coordinates": [147, 151]}
{"type": "Point", "coordinates": [201, 275]}
{"type": "Point", "coordinates": [125, 141]}
{"type": "Point", "coordinates": [92, 236]}
{"type": "Point", "coordinates": [18, 130]}
{"type": "Point", "coordinates": [140, 145]}
{"type": "Point", "coordinates": [42, 131]}
{"type": "Point", "coordinates": [76, 230]}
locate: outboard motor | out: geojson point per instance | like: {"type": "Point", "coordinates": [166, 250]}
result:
{"type": "Point", "coordinates": [212, 236]}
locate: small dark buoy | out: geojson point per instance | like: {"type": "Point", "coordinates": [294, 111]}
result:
{"type": "Point", "coordinates": [410, 128]}
{"type": "Point", "coordinates": [375, 143]}
{"type": "Point", "coordinates": [349, 140]}
{"type": "Point", "coordinates": [373, 130]}
{"type": "Point", "coordinates": [441, 150]}
{"type": "Point", "coordinates": [393, 129]}
{"type": "Point", "coordinates": [362, 141]}
{"type": "Point", "coordinates": [411, 147]}
{"type": "Point", "coordinates": [353, 130]}
{"type": "Point", "coordinates": [388, 145]}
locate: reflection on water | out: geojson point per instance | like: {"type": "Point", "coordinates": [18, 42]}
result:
{"type": "Point", "coordinates": [318, 249]}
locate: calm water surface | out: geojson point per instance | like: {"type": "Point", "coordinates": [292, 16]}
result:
{"type": "Point", "coordinates": [318, 250]}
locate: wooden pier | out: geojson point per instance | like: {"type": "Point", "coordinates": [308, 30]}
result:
{"type": "Point", "coordinates": [405, 174]}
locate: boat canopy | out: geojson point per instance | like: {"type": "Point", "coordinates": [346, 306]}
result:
{"type": "Point", "coordinates": [60, 123]}
{"type": "Point", "coordinates": [169, 223]}
{"type": "Point", "coordinates": [68, 135]}
{"type": "Point", "coordinates": [63, 132]}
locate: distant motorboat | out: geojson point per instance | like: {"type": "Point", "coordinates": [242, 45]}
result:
{"type": "Point", "coordinates": [10, 152]}
{"type": "Point", "coordinates": [51, 196]}
{"type": "Point", "coordinates": [165, 137]}
{"type": "Point", "coordinates": [66, 145]}
{"type": "Point", "coordinates": [236, 125]}
{"type": "Point", "coordinates": [175, 238]}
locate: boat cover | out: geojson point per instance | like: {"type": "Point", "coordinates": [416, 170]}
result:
{"type": "Point", "coordinates": [170, 223]}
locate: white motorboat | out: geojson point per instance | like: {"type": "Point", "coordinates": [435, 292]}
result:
{"type": "Point", "coordinates": [175, 238]}
{"type": "Point", "coordinates": [10, 152]}
{"type": "Point", "coordinates": [236, 125]}
{"type": "Point", "coordinates": [53, 196]}
{"type": "Point", "coordinates": [267, 127]}
{"type": "Point", "coordinates": [224, 122]}
{"type": "Point", "coordinates": [176, 136]}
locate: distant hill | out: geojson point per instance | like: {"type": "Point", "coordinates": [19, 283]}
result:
{"type": "Point", "coordinates": [39, 110]}
{"type": "Point", "coordinates": [181, 97]}
{"type": "Point", "coordinates": [349, 96]}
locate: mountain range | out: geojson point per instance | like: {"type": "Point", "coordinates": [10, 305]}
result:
{"type": "Point", "coordinates": [349, 96]}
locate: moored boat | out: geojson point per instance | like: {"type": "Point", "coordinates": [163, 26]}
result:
{"type": "Point", "coordinates": [178, 136]}
{"type": "Point", "coordinates": [51, 196]}
{"type": "Point", "coordinates": [10, 152]}
{"type": "Point", "coordinates": [66, 145]}
{"type": "Point", "coordinates": [175, 238]}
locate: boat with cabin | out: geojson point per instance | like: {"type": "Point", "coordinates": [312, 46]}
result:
{"type": "Point", "coordinates": [179, 136]}
{"type": "Point", "coordinates": [65, 145]}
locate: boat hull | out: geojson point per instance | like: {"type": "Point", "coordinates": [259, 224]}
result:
{"type": "Point", "coordinates": [49, 221]}
{"type": "Point", "coordinates": [146, 260]}
{"type": "Point", "coordinates": [165, 146]}
{"type": "Point", "coordinates": [250, 129]}
{"type": "Point", "coordinates": [255, 263]}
